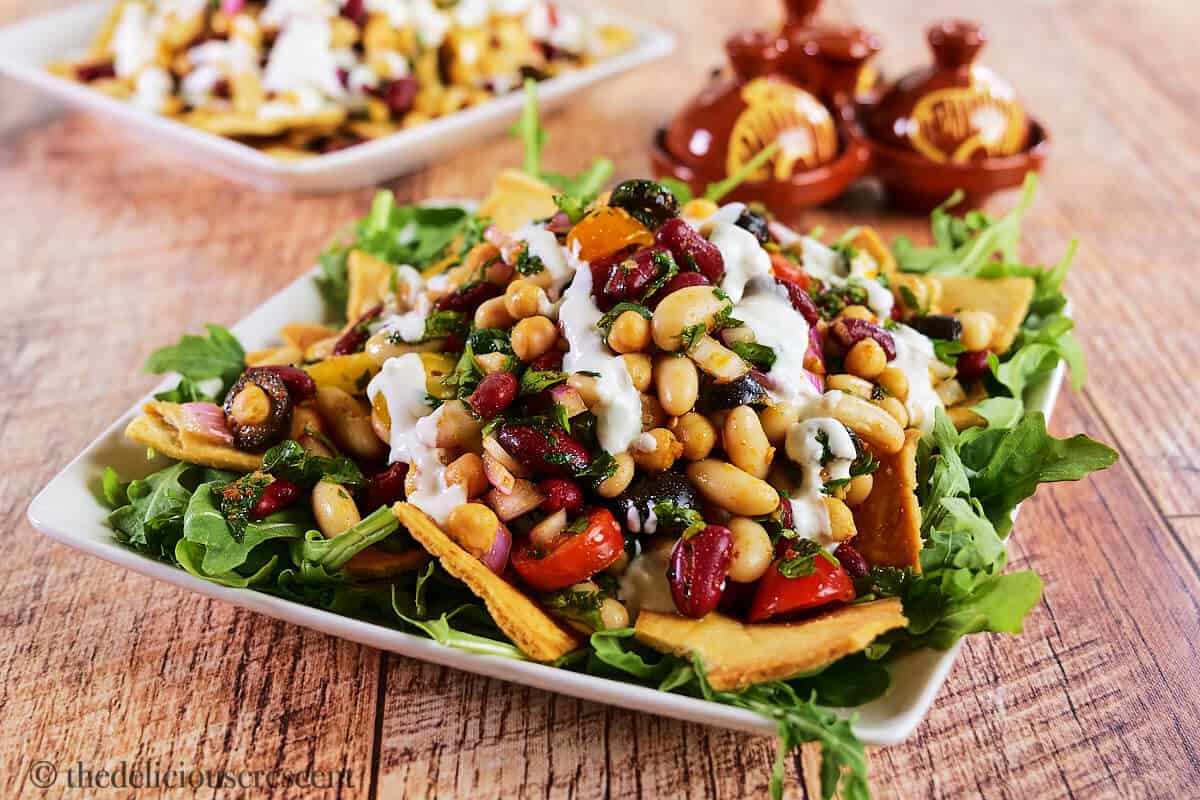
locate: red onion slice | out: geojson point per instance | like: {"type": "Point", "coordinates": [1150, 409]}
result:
{"type": "Point", "coordinates": [206, 420]}
{"type": "Point", "coordinates": [496, 558]}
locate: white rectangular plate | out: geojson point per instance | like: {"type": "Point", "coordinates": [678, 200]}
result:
{"type": "Point", "coordinates": [27, 47]}
{"type": "Point", "coordinates": [69, 510]}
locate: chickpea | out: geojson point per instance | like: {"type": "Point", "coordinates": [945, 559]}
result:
{"type": "Point", "coordinates": [492, 362]}
{"type": "Point", "coordinates": [533, 337]}
{"type": "Point", "coordinates": [613, 614]}
{"type": "Point", "coordinates": [850, 384]}
{"type": "Point", "coordinates": [630, 333]}
{"type": "Point", "coordinates": [841, 520]}
{"type": "Point", "coordinates": [467, 471]}
{"type": "Point", "coordinates": [493, 314]}
{"type": "Point", "coordinates": [857, 312]}
{"type": "Point", "coordinates": [735, 490]}
{"type": "Point", "coordinates": [858, 490]}
{"type": "Point", "coordinates": [752, 550]}
{"type": "Point", "coordinates": [677, 382]}
{"type": "Point", "coordinates": [522, 299]}
{"type": "Point", "coordinates": [866, 359]}
{"type": "Point", "coordinates": [696, 434]}
{"type": "Point", "coordinates": [895, 382]}
{"type": "Point", "coordinates": [894, 407]}
{"type": "Point", "coordinates": [776, 419]}
{"type": "Point", "coordinates": [745, 442]}
{"type": "Point", "coordinates": [622, 476]}
{"type": "Point", "coordinates": [640, 369]}
{"type": "Point", "coordinates": [656, 450]}
{"type": "Point", "coordinates": [977, 329]}
{"type": "Point", "coordinates": [699, 208]}
{"type": "Point", "coordinates": [333, 508]}
{"type": "Point", "coordinates": [474, 527]}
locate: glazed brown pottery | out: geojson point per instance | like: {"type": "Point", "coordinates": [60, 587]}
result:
{"type": "Point", "coordinates": [822, 150]}
{"type": "Point", "coordinates": [952, 125]}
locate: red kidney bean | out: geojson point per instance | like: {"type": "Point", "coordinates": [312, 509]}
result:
{"type": "Point", "coordinates": [973, 365]}
{"type": "Point", "coordinates": [680, 281]}
{"type": "Point", "coordinates": [560, 494]}
{"type": "Point", "coordinates": [630, 278]}
{"type": "Point", "coordinates": [355, 11]}
{"type": "Point", "coordinates": [698, 569]}
{"type": "Point", "coordinates": [801, 301]}
{"type": "Point", "coordinates": [399, 95]}
{"type": "Point", "coordinates": [848, 331]}
{"type": "Point", "coordinates": [385, 488]}
{"type": "Point", "coordinates": [552, 452]}
{"type": "Point", "coordinates": [548, 362]}
{"type": "Point", "coordinates": [279, 494]}
{"type": "Point", "coordinates": [94, 72]}
{"type": "Point", "coordinates": [602, 270]}
{"type": "Point", "coordinates": [494, 394]}
{"type": "Point", "coordinates": [299, 383]}
{"type": "Point", "coordinates": [785, 515]}
{"type": "Point", "coordinates": [469, 297]}
{"type": "Point", "coordinates": [691, 250]}
{"type": "Point", "coordinates": [852, 561]}
{"type": "Point", "coordinates": [353, 340]}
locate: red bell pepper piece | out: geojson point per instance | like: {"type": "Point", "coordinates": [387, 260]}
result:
{"type": "Point", "coordinates": [575, 558]}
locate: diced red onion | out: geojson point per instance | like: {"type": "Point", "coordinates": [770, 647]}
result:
{"type": "Point", "coordinates": [496, 558]}
{"type": "Point", "coordinates": [232, 7]}
{"type": "Point", "coordinates": [206, 420]}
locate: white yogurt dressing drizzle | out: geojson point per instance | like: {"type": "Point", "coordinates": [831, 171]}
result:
{"type": "Point", "coordinates": [619, 410]}
{"type": "Point", "coordinates": [766, 310]}
{"type": "Point", "coordinates": [810, 518]}
{"type": "Point", "coordinates": [644, 585]}
{"type": "Point", "coordinates": [745, 259]}
{"type": "Point", "coordinates": [414, 436]}
{"type": "Point", "coordinates": [544, 245]}
{"type": "Point", "coordinates": [914, 354]}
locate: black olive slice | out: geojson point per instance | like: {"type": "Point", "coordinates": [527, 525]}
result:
{"type": "Point", "coordinates": [257, 434]}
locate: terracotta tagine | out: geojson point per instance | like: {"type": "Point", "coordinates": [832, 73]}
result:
{"type": "Point", "coordinates": [952, 125]}
{"type": "Point", "coordinates": [801, 26]}
{"type": "Point", "coordinates": [796, 89]}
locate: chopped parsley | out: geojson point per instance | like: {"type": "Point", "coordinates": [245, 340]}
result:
{"type": "Point", "coordinates": [535, 380]}
{"type": "Point", "coordinates": [577, 606]}
{"type": "Point", "coordinates": [601, 469]}
{"type": "Point", "coordinates": [800, 557]}
{"type": "Point", "coordinates": [759, 355]}
{"type": "Point", "coordinates": [669, 269]}
{"type": "Point", "coordinates": [671, 517]}
{"type": "Point", "coordinates": [238, 498]}
{"type": "Point", "coordinates": [527, 263]}
{"type": "Point", "coordinates": [605, 322]}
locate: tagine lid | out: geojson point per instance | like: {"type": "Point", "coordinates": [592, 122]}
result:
{"type": "Point", "coordinates": [954, 111]}
{"type": "Point", "coordinates": [731, 121]}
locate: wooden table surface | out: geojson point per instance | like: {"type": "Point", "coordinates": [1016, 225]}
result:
{"type": "Point", "coordinates": [110, 248]}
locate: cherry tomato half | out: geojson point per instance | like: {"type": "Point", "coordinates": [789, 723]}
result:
{"type": "Point", "coordinates": [779, 595]}
{"type": "Point", "coordinates": [578, 557]}
{"type": "Point", "coordinates": [783, 267]}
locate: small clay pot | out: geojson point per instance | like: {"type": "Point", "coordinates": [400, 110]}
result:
{"type": "Point", "coordinates": [952, 125]}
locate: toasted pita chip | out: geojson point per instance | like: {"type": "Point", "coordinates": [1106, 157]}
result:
{"type": "Point", "coordinates": [889, 520]}
{"type": "Point", "coordinates": [1006, 298]}
{"type": "Point", "coordinates": [305, 334]}
{"type": "Point", "coordinates": [370, 280]}
{"type": "Point", "coordinates": [736, 655]}
{"type": "Point", "coordinates": [155, 429]}
{"type": "Point", "coordinates": [534, 631]}
{"type": "Point", "coordinates": [517, 199]}
{"type": "Point", "coordinates": [868, 240]}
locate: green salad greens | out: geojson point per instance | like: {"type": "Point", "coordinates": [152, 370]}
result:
{"type": "Point", "coordinates": [970, 484]}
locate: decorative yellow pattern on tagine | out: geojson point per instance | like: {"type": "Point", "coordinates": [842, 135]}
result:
{"type": "Point", "coordinates": [778, 110]}
{"type": "Point", "coordinates": [959, 124]}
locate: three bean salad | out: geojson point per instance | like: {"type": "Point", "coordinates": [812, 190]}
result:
{"type": "Point", "coordinates": [633, 433]}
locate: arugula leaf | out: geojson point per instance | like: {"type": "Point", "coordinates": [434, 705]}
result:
{"type": "Point", "coordinates": [114, 491]}
{"type": "Point", "coordinates": [442, 632]}
{"type": "Point", "coordinates": [528, 129]}
{"type": "Point", "coordinates": [153, 518]}
{"type": "Point", "coordinates": [580, 190]}
{"type": "Point", "coordinates": [849, 681]}
{"type": "Point", "coordinates": [199, 358]}
{"type": "Point", "coordinates": [716, 191]}
{"type": "Point", "coordinates": [616, 654]}
{"type": "Point", "coordinates": [322, 559]}
{"type": "Point", "coordinates": [759, 355]}
{"type": "Point", "coordinates": [219, 551]}
{"type": "Point", "coordinates": [289, 459]}
{"type": "Point", "coordinates": [1007, 465]}
{"type": "Point", "coordinates": [190, 555]}
{"type": "Point", "coordinates": [965, 246]}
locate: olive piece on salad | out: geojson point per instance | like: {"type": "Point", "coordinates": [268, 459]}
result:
{"type": "Point", "coordinates": [258, 409]}
{"type": "Point", "coordinates": [755, 223]}
{"type": "Point", "coordinates": [649, 202]}
{"type": "Point", "coordinates": [633, 507]}
{"type": "Point", "coordinates": [938, 326]}
{"type": "Point", "coordinates": [745, 391]}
